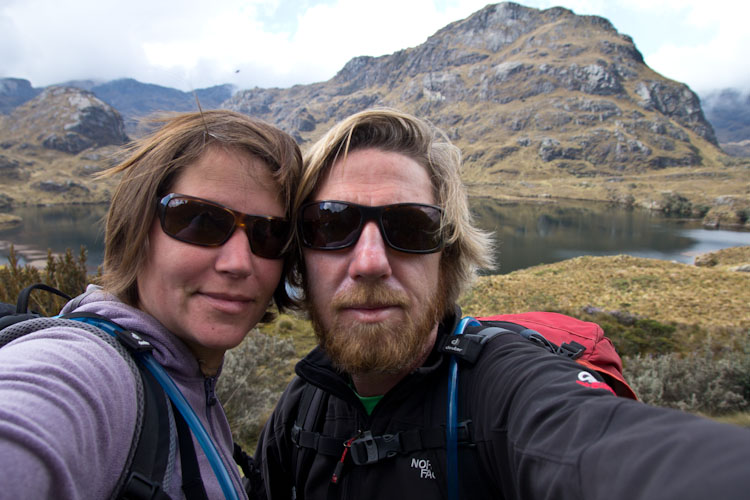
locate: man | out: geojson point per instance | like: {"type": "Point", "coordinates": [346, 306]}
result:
{"type": "Point", "coordinates": [387, 246]}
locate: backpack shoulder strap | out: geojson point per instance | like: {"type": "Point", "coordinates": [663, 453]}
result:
{"type": "Point", "coordinates": [22, 306]}
{"type": "Point", "coordinates": [150, 455]}
{"type": "Point", "coordinates": [309, 413]}
{"type": "Point", "coordinates": [468, 346]}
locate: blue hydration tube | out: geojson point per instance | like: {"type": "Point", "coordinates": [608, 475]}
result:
{"type": "Point", "coordinates": [451, 428]}
{"type": "Point", "coordinates": [174, 393]}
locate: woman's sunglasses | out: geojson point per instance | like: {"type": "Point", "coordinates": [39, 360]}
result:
{"type": "Point", "coordinates": [205, 223]}
{"type": "Point", "coordinates": [406, 227]}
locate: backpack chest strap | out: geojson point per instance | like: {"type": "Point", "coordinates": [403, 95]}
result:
{"type": "Point", "coordinates": [368, 449]}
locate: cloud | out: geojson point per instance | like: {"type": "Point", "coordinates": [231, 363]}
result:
{"type": "Point", "coordinates": [717, 60]}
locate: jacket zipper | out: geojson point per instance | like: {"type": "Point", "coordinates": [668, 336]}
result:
{"type": "Point", "coordinates": [209, 384]}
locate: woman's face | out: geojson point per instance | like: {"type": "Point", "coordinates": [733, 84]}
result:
{"type": "Point", "coordinates": [210, 297]}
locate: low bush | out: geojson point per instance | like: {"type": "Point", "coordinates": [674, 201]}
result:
{"type": "Point", "coordinates": [677, 205]}
{"type": "Point", "coordinates": [253, 377]}
{"type": "Point", "coordinates": [713, 380]}
{"type": "Point", "coordinates": [66, 273]}
{"type": "Point", "coordinates": [629, 333]}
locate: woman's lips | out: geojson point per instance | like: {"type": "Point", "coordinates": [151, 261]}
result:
{"type": "Point", "coordinates": [227, 303]}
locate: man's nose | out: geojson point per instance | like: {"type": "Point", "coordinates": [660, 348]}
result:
{"type": "Point", "coordinates": [369, 256]}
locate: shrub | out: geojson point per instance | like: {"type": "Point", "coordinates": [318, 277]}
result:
{"type": "Point", "coordinates": [711, 380]}
{"type": "Point", "coordinates": [700, 211]}
{"type": "Point", "coordinates": [677, 205]}
{"type": "Point", "coordinates": [66, 273]}
{"type": "Point", "coordinates": [631, 334]}
{"type": "Point", "coordinates": [253, 377]}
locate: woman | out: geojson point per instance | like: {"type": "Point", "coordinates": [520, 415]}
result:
{"type": "Point", "coordinates": [195, 238]}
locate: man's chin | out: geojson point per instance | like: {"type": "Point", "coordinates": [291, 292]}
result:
{"type": "Point", "coordinates": [383, 347]}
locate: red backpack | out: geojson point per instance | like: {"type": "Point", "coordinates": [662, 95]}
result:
{"type": "Point", "coordinates": [580, 340]}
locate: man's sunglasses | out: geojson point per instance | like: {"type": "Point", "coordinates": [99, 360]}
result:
{"type": "Point", "coordinates": [407, 227]}
{"type": "Point", "coordinates": [205, 223]}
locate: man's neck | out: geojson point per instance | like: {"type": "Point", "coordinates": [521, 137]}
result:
{"type": "Point", "coordinates": [377, 384]}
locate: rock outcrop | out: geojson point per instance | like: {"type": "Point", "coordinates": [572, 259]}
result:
{"type": "Point", "coordinates": [69, 120]}
{"type": "Point", "coordinates": [516, 85]}
{"type": "Point", "coordinates": [52, 144]}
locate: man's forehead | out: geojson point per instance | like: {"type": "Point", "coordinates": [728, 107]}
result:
{"type": "Point", "coordinates": [365, 176]}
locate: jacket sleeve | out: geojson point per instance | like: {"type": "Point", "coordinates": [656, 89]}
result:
{"type": "Point", "coordinates": [67, 416]}
{"type": "Point", "coordinates": [549, 430]}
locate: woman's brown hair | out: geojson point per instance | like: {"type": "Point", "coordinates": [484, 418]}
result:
{"type": "Point", "coordinates": [152, 166]}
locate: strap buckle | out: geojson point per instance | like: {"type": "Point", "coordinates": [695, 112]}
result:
{"type": "Point", "coordinates": [370, 449]}
{"type": "Point", "coordinates": [572, 349]}
{"type": "Point", "coordinates": [139, 486]}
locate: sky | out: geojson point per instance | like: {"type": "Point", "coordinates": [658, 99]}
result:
{"type": "Point", "coordinates": [191, 44]}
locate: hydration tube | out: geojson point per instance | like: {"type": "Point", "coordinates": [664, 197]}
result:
{"type": "Point", "coordinates": [451, 428]}
{"type": "Point", "coordinates": [174, 393]}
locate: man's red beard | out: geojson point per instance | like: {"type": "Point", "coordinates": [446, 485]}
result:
{"type": "Point", "coordinates": [390, 346]}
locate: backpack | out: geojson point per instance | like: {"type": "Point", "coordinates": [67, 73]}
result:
{"type": "Point", "coordinates": [564, 335]}
{"type": "Point", "coordinates": [161, 414]}
{"type": "Point", "coordinates": [582, 341]}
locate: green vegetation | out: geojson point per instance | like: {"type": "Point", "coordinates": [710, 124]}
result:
{"type": "Point", "coordinates": [676, 204]}
{"type": "Point", "coordinates": [713, 380]}
{"type": "Point", "coordinates": [66, 273]}
{"type": "Point", "coordinates": [252, 379]}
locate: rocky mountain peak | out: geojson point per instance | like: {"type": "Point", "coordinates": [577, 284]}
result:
{"type": "Point", "coordinates": [513, 85]}
{"type": "Point", "coordinates": [69, 119]}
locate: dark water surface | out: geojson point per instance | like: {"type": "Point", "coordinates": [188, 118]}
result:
{"type": "Point", "coordinates": [527, 234]}
{"type": "Point", "coordinates": [531, 234]}
{"type": "Point", "coordinates": [58, 228]}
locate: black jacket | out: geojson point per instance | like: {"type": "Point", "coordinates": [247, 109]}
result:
{"type": "Point", "coordinates": [540, 430]}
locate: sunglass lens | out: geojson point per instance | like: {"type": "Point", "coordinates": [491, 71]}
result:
{"type": "Point", "coordinates": [330, 225]}
{"type": "Point", "coordinates": [413, 228]}
{"type": "Point", "coordinates": [267, 237]}
{"type": "Point", "coordinates": [199, 223]}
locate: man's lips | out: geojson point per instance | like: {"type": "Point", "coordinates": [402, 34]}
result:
{"type": "Point", "coordinates": [369, 313]}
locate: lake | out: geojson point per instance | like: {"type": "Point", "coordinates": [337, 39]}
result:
{"type": "Point", "coordinates": [527, 234]}
{"type": "Point", "coordinates": [531, 234]}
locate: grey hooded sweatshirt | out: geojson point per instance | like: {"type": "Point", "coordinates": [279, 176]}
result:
{"type": "Point", "coordinates": [68, 408]}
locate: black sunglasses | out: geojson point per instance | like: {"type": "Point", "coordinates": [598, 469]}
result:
{"type": "Point", "coordinates": [205, 223]}
{"type": "Point", "coordinates": [407, 227]}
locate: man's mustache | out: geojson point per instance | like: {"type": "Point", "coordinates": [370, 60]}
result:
{"type": "Point", "coordinates": [371, 295]}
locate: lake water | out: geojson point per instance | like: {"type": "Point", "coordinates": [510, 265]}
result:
{"type": "Point", "coordinates": [527, 234]}
{"type": "Point", "coordinates": [531, 234]}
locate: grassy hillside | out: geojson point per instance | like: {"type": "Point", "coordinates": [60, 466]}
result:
{"type": "Point", "coordinates": [661, 290]}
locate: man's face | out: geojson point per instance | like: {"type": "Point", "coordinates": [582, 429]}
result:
{"type": "Point", "coordinates": [374, 309]}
